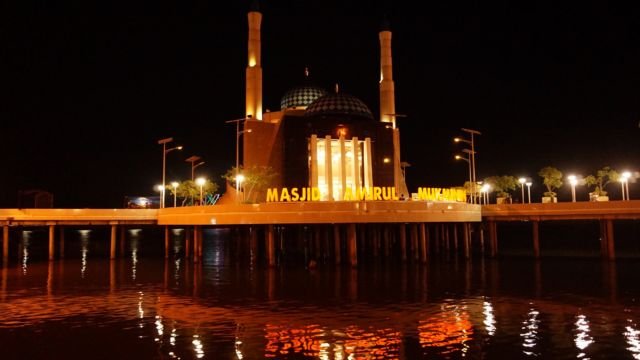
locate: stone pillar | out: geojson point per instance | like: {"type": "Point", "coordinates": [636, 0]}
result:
{"type": "Point", "coordinates": [467, 241]}
{"type": "Point", "coordinates": [611, 251]}
{"type": "Point", "coordinates": [61, 235]}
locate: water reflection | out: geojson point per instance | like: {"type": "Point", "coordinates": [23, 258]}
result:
{"type": "Point", "coordinates": [231, 311]}
{"type": "Point", "coordinates": [24, 248]}
{"type": "Point", "coordinates": [448, 331]}
{"type": "Point", "coordinates": [583, 336]}
{"type": "Point", "coordinates": [84, 250]}
{"type": "Point", "coordinates": [489, 320]}
{"type": "Point", "coordinates": [632, 336]}
{"type": "Point", "coordinates": [530, 334]}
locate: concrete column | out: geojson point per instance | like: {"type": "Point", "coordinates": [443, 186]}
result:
{"type": "Point", "coordinates": [271, 258]}
{"type": "Point", "coordinates": [328, 173]}
{"type": "Point", "coordinates": [313, 153]}
{"type": "Point", "coordinates": [166, 241]}
{"type": "Point", "coordinates": [366, 157]}
{"type": "Point", "coordinates": [187, 241]}
{"type": "Point", "coordinates": [424, 243]}
{"type": "Point", "coordinates": [403, 242]}
{"type": "Point", "coordinates": [5, 243]}
{"type": "Point", "coordinates": [467, 242]}
{"type": "Point", "coordinates": [437, 238]}
{"type": "Point", "coordinates": [455, 238]}
{"type": "Point", "coordinates": [493, 238]}
{"type": "Point", "coordinates": [482, 239]}
{"type": "Point", "coordinates": [114, 228]}
{"type": "Point", "coordinates": [611, 251]}
{"type": "Point", "coordinates": [604, 248]}
{"type": "Point", "coordinates": [61, 235]}
{"type": "Point", "coordinates": [123, 239]}
{"type": "Point", "coordinates": [352, 244]}
{"type": "Point", "coordinates": [196, 235]}
{"type": "Point", "coordinates": [52, 236]}
{"type": "Point", "coordinates": [536, 239]}
{"type": "Point", "coordinates": [336, 243]}
{"type": "Point", "coordinates": [343, 166]}
{"type": "Point", "coordinates": [356, 163]}
{"type": "Point", "coordinates": [253, 244]}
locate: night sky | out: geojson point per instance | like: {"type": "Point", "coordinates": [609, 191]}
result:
{"type": "Point", "coordinates": [88, 91]}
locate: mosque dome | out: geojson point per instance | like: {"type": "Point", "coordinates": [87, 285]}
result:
{"type": "Point", "coordinates": [301, 96]}
{"type": "Point", "coordinates": [339, 104]}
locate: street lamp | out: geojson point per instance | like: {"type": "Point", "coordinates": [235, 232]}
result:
{"type": "Point", "coordinates": [175, 191]}
{"type": "Point", "coordinates": [472, 157]}
{"type": "Point", "coordinates": [471, 183]}
{"type": "Point", "coordinates": [158, 188]}
{"type": "Point", "coordinates": [200, 182]}
{"type": "Point", "coordinates": [193, 159]}
{"type": "Point", "coordinates": [238, 133]}
{"type": "Point", "coordinates": [522, 181]}
{"type": "Point", "coordinates": [573, 181]}
{"type": "Point", "coordinates": [529, 190]}
{"type": "Point", "coordinates": [624, 181]}
{"type": "Point", "coordinates": [165, 151]}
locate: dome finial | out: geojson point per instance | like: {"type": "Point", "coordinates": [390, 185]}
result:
{"type": "Point", "coordinates": [255, 6]}
{"type": "Point", "coordinates": [337, 88]}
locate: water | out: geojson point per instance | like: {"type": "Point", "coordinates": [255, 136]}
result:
{"type": "Point", "coordinates": [143, 307]}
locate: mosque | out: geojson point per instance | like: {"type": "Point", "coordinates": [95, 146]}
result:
{"type": "Point", "coordinates": [323, 139]}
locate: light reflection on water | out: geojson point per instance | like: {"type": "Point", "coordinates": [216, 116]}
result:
{"type": "Point", "coordinates": [228, 309]}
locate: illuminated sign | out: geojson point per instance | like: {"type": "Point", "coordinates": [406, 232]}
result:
{"type": "Point", "coordinates": [376, 193]}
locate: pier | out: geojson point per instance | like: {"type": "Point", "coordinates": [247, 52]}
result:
{"type": "Point", "coordinates": [410, 229]}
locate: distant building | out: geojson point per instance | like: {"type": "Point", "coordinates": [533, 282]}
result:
{"type": "Point", "coordinates": [322, 139]}
{"type": "Point", "coordinates": [35, 199]}
{"type": "Point", "coordinates": [142, 202]}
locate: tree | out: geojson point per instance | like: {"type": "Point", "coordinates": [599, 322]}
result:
{"type": "Point", "coordinates": [190, 192]}
{"type": "Point", "coordinates": [256, 181]}
{"type": "Point", "coordinates": [552, 179]}
{"type": "Point", "coordinates": [602, 178]}
{"type": "Point", "coordinates": [502, 185]}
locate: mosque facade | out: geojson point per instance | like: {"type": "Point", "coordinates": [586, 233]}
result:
{"type": "Point", "coordinates": [323, 139]}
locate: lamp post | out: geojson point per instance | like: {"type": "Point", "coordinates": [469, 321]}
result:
{"type": "Point", "coordinates": [175, 192]}
{"type": "Point", "coordinates": [238, 133]}
{"type": "Point", "coordinates": [624, 181]}
{"type": "Point", "coordinates": [165, 151]}
{"type": "Point", "coordinates": [472, 157]}
{"type": "Point", "coordinates": [573, 181]}
{"type": "Point", "coordinates": [472, 185]}
{"type": "Point", "coordinates": [193, 159]}
{"type": "Point", "coordinates": [159, 188]}
{"type": "Point", "coordinates": [200, 182]}
{"type": "Point", "coordinates": [522, 181]}
{"type": "Point", "coordinates": [529, 191]}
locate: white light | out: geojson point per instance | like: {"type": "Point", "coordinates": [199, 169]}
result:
{"type": "Point", "coordinates": [489, 319]}
{"type": "Point", "coordinates": [200, 181]}
{"type": "Point", "coordinates": [239, 178]}
{"type": "Point", "coordinates": [522, 180]}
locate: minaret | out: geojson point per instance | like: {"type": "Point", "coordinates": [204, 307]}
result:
{"type": "Point", "coordinates": [387, 91]}
{"type": "Point", "coordinates": [254, 69]}
{"type": "Point", "coordinates": [388, 104]}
